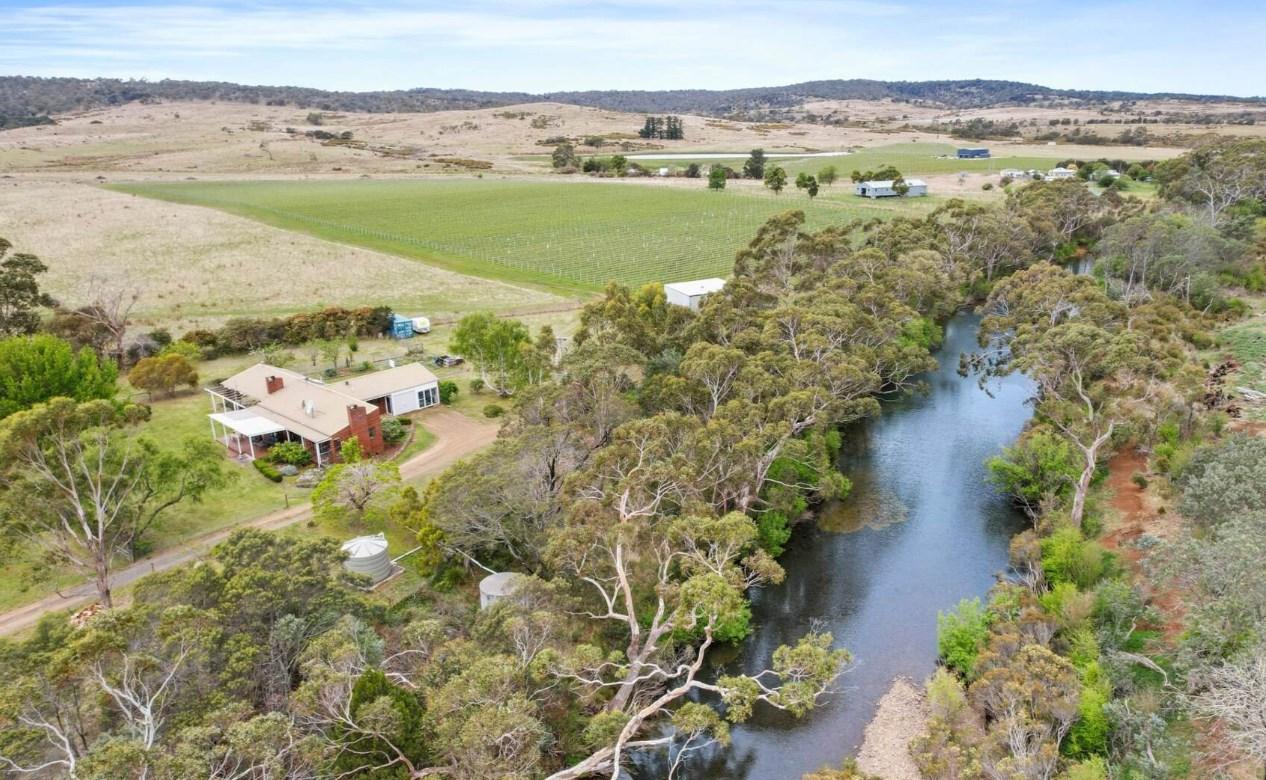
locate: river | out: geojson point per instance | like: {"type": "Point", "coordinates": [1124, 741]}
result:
{"type": "Point", "coordinates": [920, 530]}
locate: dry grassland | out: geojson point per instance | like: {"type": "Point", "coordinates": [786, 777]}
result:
{"type": "Point", "coordinates": [197, 266]}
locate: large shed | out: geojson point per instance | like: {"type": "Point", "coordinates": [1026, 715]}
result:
{"type": "Point", "coordinates": [973, 153]}
{"type": "Point", "coordinates": [368, 555]}
{"type": "Point", "coordinates": [691, 294]}
{"type": "Point", "coordinates": [888, 189]}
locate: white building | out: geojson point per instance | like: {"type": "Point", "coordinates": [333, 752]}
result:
{"type": "Point", "coordinates": [887, 189]}
{"type": "Point", "coordinates": [1014, 173]}
{"type": "Point", "coordinates": [1060, 173]}
{"type": "Point", "coordinates": [691, 294]}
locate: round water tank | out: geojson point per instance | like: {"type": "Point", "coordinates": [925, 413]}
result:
{"type": "Point", "coordinates": [368, 555]}
{"type": "Point", "coordinates": [496, 587]}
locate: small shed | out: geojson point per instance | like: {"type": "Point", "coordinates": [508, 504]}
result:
{"type": "Point", "coordinates": [368, 555]}
{"type": "Point", "coordinates": [973, 153]}
{"type": "Point", "coordinates": [496, 587]}
{"type": "Point", "coordinates": [691, 294]}
{"type": "Point", "coordinates": [888, 189]}
{"type": "Point", "coordinates": [401, 327]}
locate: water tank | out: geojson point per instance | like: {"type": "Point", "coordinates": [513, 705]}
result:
{"type": "Point", "coordinates": [368, 555]}
{"type": "Point", "coordinates": [496, 587]}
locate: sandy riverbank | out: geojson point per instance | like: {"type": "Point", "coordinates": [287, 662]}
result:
{"type": "Point", "coordinates": [899, 718]}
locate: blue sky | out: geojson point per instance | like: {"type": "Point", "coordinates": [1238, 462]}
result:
{"type": "Point", "coordinates": [1216, 46]}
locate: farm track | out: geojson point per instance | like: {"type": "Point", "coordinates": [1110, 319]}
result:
{"type": "Point", "coordinates": [456, 436]}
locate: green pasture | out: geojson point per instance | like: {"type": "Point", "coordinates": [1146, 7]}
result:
{"type": "Point", "coordinates": [573, 234]}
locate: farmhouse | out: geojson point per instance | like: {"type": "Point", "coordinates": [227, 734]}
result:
{"type": "Point", "coordinates": [973, 153]}
{"type": "Point", "coordinates": [887, 189]}
{"type": "Point", "coordinates": [263, 405]}
{"type": "Point", "coordinates": [1060, 173]}
{"type": "Point", "coordinates": [691, 294]}
{"type": "Point", "coordinates": [1015, 173]}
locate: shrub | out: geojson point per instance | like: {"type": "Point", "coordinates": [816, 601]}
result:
{"type": "Point", "coordinates": [392, 430]}
{"type": "Point", "coordinates": [987, 186]}
{"type": "Point", "coordinates": [267, 469]}
{"type": "Point", "coordinates": [772, 532]}
{"type": "Point", "coordinates": [448, 391]}
{"type": "Point", "coordinates": [291, 452]}
{"type": "Point", "coordinates": [476, 385]}
{"type": "Point", "coordinates": [493, 411]}
{"type": "Point", "coordinates": [163, 374]}
{"type": "Point", "coordinates": [1139, 479]}
{"type": "Point", "coordinates": [960, 635]}
{"type": "Point", "coordinates": [186, 349]}
{"type": "Point", "coordinates": [1067, 557]}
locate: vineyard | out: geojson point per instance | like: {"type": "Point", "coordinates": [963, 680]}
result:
{"type": "Point", "coordinates": [573, 235]}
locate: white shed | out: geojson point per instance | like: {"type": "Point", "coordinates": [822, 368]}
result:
{"type": "Point", "coordinates": [496, 587]}
{"type": "Point", "coordinates": [691, 294]}
{"type": "Point", "coordinates": [368, 555]}
{"type": "Point", "coordinates": [887, 189]}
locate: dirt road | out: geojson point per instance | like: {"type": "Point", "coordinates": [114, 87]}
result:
{"type": "Point", "coordinates": [456, 436]}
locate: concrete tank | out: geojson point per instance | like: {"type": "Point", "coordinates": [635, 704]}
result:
{"type": "Point", "coordinates": [496, 587]}
{"type": "Point", "coordinates": [368, 555]}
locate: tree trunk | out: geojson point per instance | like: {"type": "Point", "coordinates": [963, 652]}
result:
{"type": "Point", "coordinates": [102, 569]}
{"type": "Point", "coordinates": [1087, 474]}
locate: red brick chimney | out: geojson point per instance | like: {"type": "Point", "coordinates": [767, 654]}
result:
{"type": "Point", "coordinates": [274, 383]}
{"type": "Point", "coordinates": [363, 424]}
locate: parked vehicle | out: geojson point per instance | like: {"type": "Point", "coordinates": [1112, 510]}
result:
{"type": "Point", "coordinates": [421, 325]}
{"type": "Point", "coordinates": [448, 361]}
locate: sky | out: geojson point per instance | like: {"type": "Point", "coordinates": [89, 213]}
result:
{"type": "Point", "coordinates": [1209, 47]}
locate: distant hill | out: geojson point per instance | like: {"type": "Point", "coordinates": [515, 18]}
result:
{"type": "Point", "coordinates": [31, 100]}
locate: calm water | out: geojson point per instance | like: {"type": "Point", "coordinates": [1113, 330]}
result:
{"type": "Point", "coordinates": [920, 531]}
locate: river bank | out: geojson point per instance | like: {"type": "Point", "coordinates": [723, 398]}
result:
{"type": "Point", "coordinates": [901, 717]}
{"type": "Point", "coordinates": [920, 530]}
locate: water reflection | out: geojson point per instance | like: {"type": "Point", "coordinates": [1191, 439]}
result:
{"type": "Point", "coordinates": [924, 530]}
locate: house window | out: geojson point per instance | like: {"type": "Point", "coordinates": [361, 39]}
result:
{"type": "Point", "coordinates": [428, 397]}
{"type": "Point", "coordinates": [371, 433]}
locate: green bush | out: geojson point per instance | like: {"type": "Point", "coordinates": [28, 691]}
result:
{"type": "Point", "coordinates": [291, 452]}
{"type": "Point", "coordinates": [267, 469]}
{"type": "Point", "coordinates": [476, 385]}
{"type": "Point", "coordinates": [1089, 734]}
{"type": "Point", "coordinates": [960, 635]}
{"type": "Point", "coordinates": [392, 430]}
{"type": "Point", "coordinates": [772, 532]}
{"type": "Point", "coordinates": [1067, 557]}
{"type": "Point", "coordinates": [448, 391]}
{"type": "Point", "coordinates": [493, 411]}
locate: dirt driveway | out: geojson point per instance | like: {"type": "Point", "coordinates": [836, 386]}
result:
{"type": "Point", "coordinates": [456, 436]}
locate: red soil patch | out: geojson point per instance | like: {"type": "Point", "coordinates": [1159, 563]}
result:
{"type": "Point", "coordinates": [1136, 515]}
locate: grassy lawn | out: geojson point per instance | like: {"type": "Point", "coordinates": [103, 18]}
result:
{"type": "Point", "coordinates": [573, 235]}
{"type": "Point", "coordinates": [1246, 342]}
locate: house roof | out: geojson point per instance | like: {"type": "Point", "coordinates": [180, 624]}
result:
{"type": "Point", "coordinates": [696, 286]}
{"type": "Point", "coordinates": [289, 406]}
{"type": "Point", "coordinates": [386, 382]}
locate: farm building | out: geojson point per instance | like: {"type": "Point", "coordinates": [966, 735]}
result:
{"type": "Point", "coordinates": [1015, 173]}
{"type": "Point", "coordinates": [1060, 173]}
{"type": "Point", "coordinates": [264, 405]}
{"type": "Point", "coordinates": [691, 294]}
{"type": "Point", "coordinates": [886, 189]}
{"type": "Point", "coordinates": [973, 153]}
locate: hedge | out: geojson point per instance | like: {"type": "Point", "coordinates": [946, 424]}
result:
{"type": "Point", "coordinates": [267, 469]}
